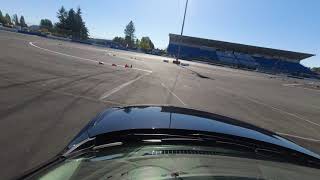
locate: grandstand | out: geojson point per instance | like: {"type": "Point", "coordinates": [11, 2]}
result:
{"type": "Point", "coordinates": [238, 55]}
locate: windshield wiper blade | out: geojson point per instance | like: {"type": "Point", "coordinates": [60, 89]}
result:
{"type": "Point", "coordinates": [107, 145]}
{"type": "Point", "coordinates": [258, 149]}
{"type": "Point", "coordinates": [86, 143]}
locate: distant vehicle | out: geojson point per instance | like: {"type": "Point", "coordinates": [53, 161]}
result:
{"type": "Point", "coordinates": [19, 28]}
{"type": "Point", "coordinates": [34, 28]}
{"type": "Point", "coordinates": [184, 64]}
{"type": "Point", "coordinates": [8, 25]}
{"type": "Point", "coordinates": [165, 142]}
{"type": "Point", "coordinates": [25, 29]}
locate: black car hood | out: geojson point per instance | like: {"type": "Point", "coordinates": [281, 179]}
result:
{"type": "Point", "coordinates": [168, 117]}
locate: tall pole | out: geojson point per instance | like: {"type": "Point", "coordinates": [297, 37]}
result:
{"type": "Point", "coordinates": [184, 17]}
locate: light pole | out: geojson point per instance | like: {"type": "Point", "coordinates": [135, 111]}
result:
{"type": "Point", "coordinates": [179, 47]}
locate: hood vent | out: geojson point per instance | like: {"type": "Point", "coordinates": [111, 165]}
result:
{"type": "Point", "coordinates": [178, 151]}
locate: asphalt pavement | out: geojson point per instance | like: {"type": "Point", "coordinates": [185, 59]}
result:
{"type": "Point", "coordinates": [50, 89]}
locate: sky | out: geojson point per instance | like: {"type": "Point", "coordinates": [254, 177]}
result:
{"type": "Point", "coordinates": [282, 24]}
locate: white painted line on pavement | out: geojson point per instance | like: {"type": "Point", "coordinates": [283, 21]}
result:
{"type": "Point", "coordinates": [272, 107]}
{"type": "Point", "coordinates": [173, 94]}
{"type": "Point", "coordinates": [109, 93]}
{"type": "Point", "coordinates": [63, 93]}
{"type": "Point", "coordinates": [83, 97]}
{"type": "Point", "coordinates": [300, 86]}
{"type": "Point", "coordinates": [129, 59]}
{"type": "Point", "coordinates": [148, 71]}
{"type": "Point", "coordinates": [283, 111]}
{"type": "Point", "coordinates": [315, 90]}
{"type": "Point", "coordinates": [85, 59]}
{"type": "Point", "coordinates": [299, 137]}
{"type": "Point", "coordinates": [294, 84]}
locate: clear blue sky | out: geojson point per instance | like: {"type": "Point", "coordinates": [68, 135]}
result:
{"type": "Point", "coordinates": [284, 24]}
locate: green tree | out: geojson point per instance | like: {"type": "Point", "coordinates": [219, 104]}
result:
{"type": "Point", "coordinates": [15, 20]}
{"type": "Point", "coordinates": [71, 24]}
{"type": "Point", "coordinates": [316, 69]}
{"type": "Point", "coordinates": [119, 40]}
{"type": "Point", "coordinates": [137, 43]}
{"type": "Point", "coordinates": [62, 15]}
{"type": "Point", "coordinates": [70, 21]}
{"type": "Point", "coordinates": [81, 29]}
{"type": "Point", "coordinates": [146, 44]}
{"type": "Point", "coordinates": [1, 18]}
{"type": "Point", "coordinates": [61, 26]}
{"type": "Point", "coordinates": [151, 44]}
{"type": "Point", "coordinates": [46, 23]}
{"type": "Point", "coordinates": [84, 33]}
{"type": "Point", "coordinates": [76, 25]}
{"type": "Point", "coordinates": [129, 34]}
{"type": "Point", "coordinates": [23, 22]}
{"type": "Point", "coordinates": [7, 19]}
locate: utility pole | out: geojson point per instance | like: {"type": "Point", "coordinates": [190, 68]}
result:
{"type": "Point", "coordinates": [179, 47]}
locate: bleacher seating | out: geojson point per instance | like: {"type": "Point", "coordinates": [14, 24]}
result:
{"type": "Point", "coordinates": [226, 57]}
{"type": "Point", "coordinates": [248, 63]}
{"type": "Point", "coordinates": [243, 56]}
{"type": "Point", "coordinates": [245, 60]}
{"type": "Point", "coordinates": [281, 66]}
{"type": "Point", "coordinates": [291, 67]}
{"type": "Point", "coordinates": [227, 60]}
{"type": "Point", "coordinates": [238, 59]}
{"type": "Point", "coordinates": [190, 53]}
{"type": "Point", "coordinates": [265, 64]}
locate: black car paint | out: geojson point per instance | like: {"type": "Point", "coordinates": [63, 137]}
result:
{"type": "Point", "coordinates": [119, 122]}
{"type": "Point", "coordinates": [175, 118]}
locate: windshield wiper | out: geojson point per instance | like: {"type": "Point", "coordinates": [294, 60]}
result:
{"type": "Point", "coordinates": [245, 146]}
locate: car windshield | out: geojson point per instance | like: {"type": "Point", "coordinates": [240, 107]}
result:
{"type": "Point", "coordinates": [63, 62]}
{"type": "Point", "coordinates": [173, 162]}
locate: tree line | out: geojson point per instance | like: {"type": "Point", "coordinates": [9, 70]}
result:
{"type": "Point", "coordinates": [70, 24]}
{"type": "Point", "coordinates": [15, 20]}
{"type": "Point", "coordinates": [316, 70]}
{"type": "Point", "coordinates": [130, 41]}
